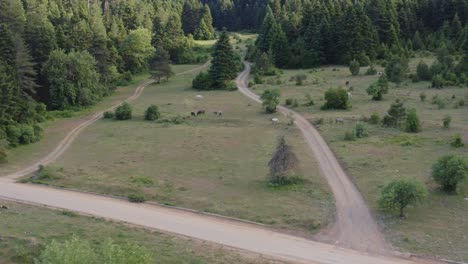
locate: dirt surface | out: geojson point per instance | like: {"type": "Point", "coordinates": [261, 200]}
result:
{"type": "Point", "coordinates": [355, 226]}
{"type": "Point", "coordinates": [235, 234]}
{"type": "Point", "coordinates": [70, 137]}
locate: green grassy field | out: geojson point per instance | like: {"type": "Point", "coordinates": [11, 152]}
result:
{"type": "Point", "coordinates": [440, 226]}
{"type": "Point", "coordinates": [25, 230]}
{"type": "Point", "coordinates": [55, 129]}
{"type": "Point", "coordinates": [209, 163]}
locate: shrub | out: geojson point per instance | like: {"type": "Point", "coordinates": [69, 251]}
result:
{"type": "Point", "coordinates": [354, 67]}
{"type": "Point", "coordinates": [422, 96]}
{"type": "Point", "coordinates": [109, 114]}
{"type": "Point", "coordinates": [202, 82]}
{"type": "Point", "coordinates": [309, 100]}
{"type": "Point", "coordinates": [350, 136]}
{"type": "Point", "coordinates": [461, 102]}
{"type": "Point", "coordinates": [438, 81]}
{"type": "Point", "coordinates": [336, 98]}
{"type": "Point", "coordinates": [378, 89]}
{"type": "Point", "coordinates": [3, 155]}
{"type": "Point", "coordinates": [396, 69]}
{"type": "Point", "coordinates": [123, 112]}
{"type": "Point", "coordinates": [413, 124]}
{"type": "Point", "coordinates": [437, 100]}
{"type": "Point", "coordinates": [270, 98]}
{"type": "Point", "coordinates": [374, 119]}
{"type": "Point", "coordinates": [360, 130]}
{"type": "Point", "coordinates": [258, 79]}
{"type": "Point", "coordinates": [372, 70]}
{"type": "Point", "coordinates": [449, 171]}
{"type": "Point", "coordinates": [400, 193]}
{"type": "Point", "coordinates": [289, 101]}
{"type": "Point", "coordinates": [446, 121]}
{"type": "Point", "coordinates": [43, 174]}
{"type": "Point", "coordinates": [177, 120]}
{"type": "Point", "coordinates": [395, 115]}
{"type": "Point", "coordinates": [152, 113]}
{"type": "Point", "coordinates": [137, 197]}
{"type": "Point", "coordinates": [300, 78]}
{"type": "Point", "coordinates": [457, 142]}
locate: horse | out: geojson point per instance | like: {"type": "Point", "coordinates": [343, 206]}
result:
{"type": "Point", "coordinates": [193, 114]}
{"type": "Point", "coordinates": [201, 112]}
{"type": "Point", "coordinates": [339, 121]}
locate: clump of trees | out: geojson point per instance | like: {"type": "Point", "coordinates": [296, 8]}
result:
{"type": "Point", "coordinates": [76, 250]}
{"type": "Point", "coordinates": [223, 70]}
{"type": "Point", "coordinates": [270, 100]}
{"type": "Point", "coordinates": [400, 193]}
{"type": "Point", "coordinates": [449, 171]}
{"type": "Point", "coordinates": [284, 165]}
{"type": "Point", "coordinates": [336, 98]}
{"type": "Point", "coordinates": [159, 65]}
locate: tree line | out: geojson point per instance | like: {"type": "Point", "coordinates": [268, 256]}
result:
{"type": "Point", "coordinates": [64, 55]}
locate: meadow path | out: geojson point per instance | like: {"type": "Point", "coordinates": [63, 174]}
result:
{"type": "Point", "coordinates": [231, 233]}
{"type": "Point", "coordinates": [355, 227]}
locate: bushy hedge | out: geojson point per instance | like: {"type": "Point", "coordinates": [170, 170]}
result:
{"type": "Point", "coordinates": [123, 112]}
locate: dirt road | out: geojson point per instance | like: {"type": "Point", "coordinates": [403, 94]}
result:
{"type": "Point", "coordinates": [218, 230]}
{"type": "Point", "coordinates": [70, 137]}
{"type": "Point", "coordinates": [213, 229]}
{"type": "Point", "coordinates": [355, 227]}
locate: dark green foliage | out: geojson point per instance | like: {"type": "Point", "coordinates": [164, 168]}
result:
{"type": "Point", "coordinates": [378, 89]}
{"type": "Point", "coordinates": [354, 67]}
{"type": "Point", "coordinates": [258, 79]}
{"type": "Point", "coordinates": [223, 65]}
{"type": "Point", "coordinates": [123, 112]}
{"type": "Point", "coordinates": [446, 121]}
{"type": "Point", "coordinates": [350, 136]}
{"type": "Point", "coordinates": [137, 198]}
{"type": "Point", "coordinates": [422, 97]}
{"type": "Point", "coordinates": [449, 171]}
{"type": "Point", "coordinates": [437, 100]}
{"type": "Point", "coordinates": [270, 100]}
{"type": "Point", "coordinates": [413, 124]}
{"type": "Point", "coordinates": [309, 100]}
{"type": "Point", "coordinates": [400, 193]}
{"type": "Point", "coordinates": [396, 115]}
{"type": "Point", "coordinates": [396, 69]}
{"type": "Point", "coordinates": [457, 142]}
{"type": "Point", "coordinates": [374, 119]}
{"type": "Point", "coordinates": [360, 130]}
{"type": "Point", "coordinates": [284, 165]}
{"type": "Point", "coordinates": [438, 81]}
{"type": "Point", "coordinates": [336, 98]}
{"type": "Point", "coordinates": [372, 70]}
{"type": "Point", "coordinates": [159, 65]}
{"type": "Point", "coordinates": [202, 82]}
{"type": "Point", "coordinates": [108, 115]}
{"type": "Point", "coordinates": [423, 72]}
{"type": "Point", "coordinates": [152, 113]}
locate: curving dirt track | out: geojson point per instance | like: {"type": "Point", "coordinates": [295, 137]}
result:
{"type": "Point", "coordinates": [230, 233]}
{"type": "Point", "coordinates": [70, 137]}
{"type": "Point", "coordinates": [355, 226]}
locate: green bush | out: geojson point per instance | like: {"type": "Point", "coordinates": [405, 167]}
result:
{"type": "Point", "coordinates": [109, 115]}
{"type": "Point", "coordinates": [123, 112]}
{"type": "Point", "coordinates": [202, 82]}
{"type": "Point", "coordinates": [413, 124]}
{"type": "Point", "coordinates": [336, 98]}
{"type": "Point", "coordinates": [372, 70]}
{"type": "Point", "coordinates": [309, 100]}
{"type": "Point", "coordinates": [354, 67]}
{"type": "Point", "coordinates": [437, 100]}
{"type": "Point", "coordinates": [449, 171]}
{"type": "Point", "coordinates": [300, 78]}
{"type": "Point", "coordinates": [400, 193]}
{"type": "Point", "coordinates": [289, 101]}
{"type": "Point", "coordinates": [457, 142]}
{"type": "Point", "coordinates": [374, 119]}
{"type": "Point", "coordinates": [137, 197]}
{"type": "Point", "coordinates": [422, 97]}
{"type": "Point", "coordinates": [152, 113]}
{"type": "Point", "coordinates": [423, 72]}
{"type": "Point", "coordinates": [360, 131]}
{"type": "Point", "coordinates": [446, 121]}
{"type": "Point", "coordinates": [438, 81]}
{"type": "Point", "coordinates": [270, 98]}
{"type": "Point", "coordinates": [258, 79]}
{"type": "Point", "coordinates": [461, 102]}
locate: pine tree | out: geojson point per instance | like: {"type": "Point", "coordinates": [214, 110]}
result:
{"type": "Point", "coordinates": [159, 65]}
{"type": "Point", "coordinates": [223, 65]}
{"type": "Point", "coordinates": [280, 47]}
{"type": "Point", "coordinates": [265, 39]}
{"type": "Point", "coordinates": [205, 30]}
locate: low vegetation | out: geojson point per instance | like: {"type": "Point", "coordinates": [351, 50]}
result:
{"type": "Point", "coordinates": [449, 171]}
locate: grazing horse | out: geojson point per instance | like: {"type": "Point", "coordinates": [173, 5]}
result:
{"type": "Point", "coordinates": [193, 114]}
{"type": "Point", "coordinates": [347, 83]}
{"type": "Point", "coordinates": [201, 112]}
{"type": "Point", "coordinates": [218, 113]}
{"type": "Point", "coordinates": [4, 207]}
{"type": "Point", "coordinates": [339, 121]}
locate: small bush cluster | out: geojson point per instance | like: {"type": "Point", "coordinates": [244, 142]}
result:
{"type": "Point", "coordinates": [123, 112]}
{"type": "Point", "coordinates": [292, 102]}
{"type": "Point", "coordinates": [152, 113]}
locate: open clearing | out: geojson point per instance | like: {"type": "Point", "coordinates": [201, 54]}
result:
{"type": "Point", "coordinates": [26, 229]}
{"type": "Point", "coordinates": [388, 154]}
{"type": "Point", "coordinates": [213, 164]}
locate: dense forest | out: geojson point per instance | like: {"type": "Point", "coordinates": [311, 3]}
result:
{"type": "Point", "coordinates": [63, 55]}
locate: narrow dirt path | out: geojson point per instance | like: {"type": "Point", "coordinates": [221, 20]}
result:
{"type": "Point", "coordinates": [355, 226]}
{"type": "Point", "coordinates": [70, 137]}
